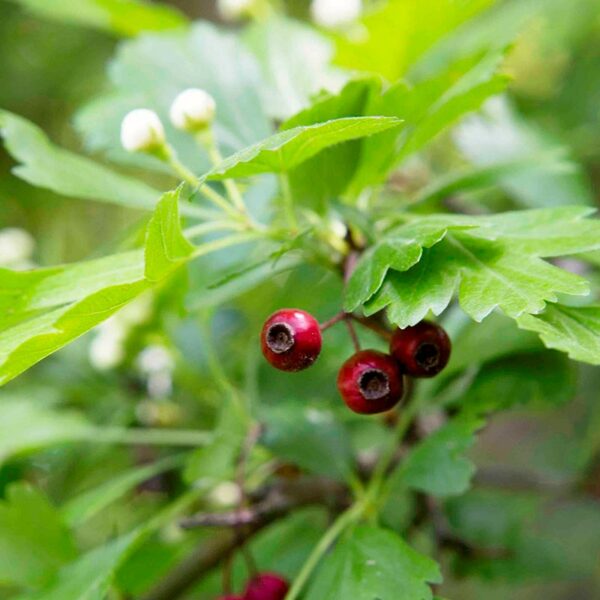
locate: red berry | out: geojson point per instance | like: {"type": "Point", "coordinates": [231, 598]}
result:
{"type": "Point", "coordinates": [267, 586]}
{"type": "Point", "coordinates": [291, 339]}
{"type": "Point", "coordinates": [422, 350]}
{"type": "Point", "coordinates": [370, 382]}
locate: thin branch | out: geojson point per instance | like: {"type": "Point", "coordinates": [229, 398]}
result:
{"type": "Point", "coordinates": [333, 321]}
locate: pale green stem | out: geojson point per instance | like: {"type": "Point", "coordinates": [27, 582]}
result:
{"type": "Point", "coordinates": [208, 140]}
{"type": "Point", "coordinates": [211, 227]}
{"type": "Point", "coordinates": [345, 520]}
{"type": "Point", "coordinates": [170, 156]}
{"type": "Point", "coordinates": [288, 201]}
{"type": "Point", "coordinates": [232, 240]}
{"type": "Point", "coordinates": [154, 437]}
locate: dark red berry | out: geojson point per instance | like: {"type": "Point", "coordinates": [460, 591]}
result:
{"type": "Point", "coordinates": [267, 586]}
{"type": "Point", "coordinates": [291, 339]}
{"type": "Point", "coordinates": [370, 382]}
{"type": "Point", "coordinates": [422, 350]}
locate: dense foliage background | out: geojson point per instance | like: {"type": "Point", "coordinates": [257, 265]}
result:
{"type": "Point", "coordinates": [151, 415]}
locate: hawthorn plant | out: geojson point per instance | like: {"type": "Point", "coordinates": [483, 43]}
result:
{"type": "Point", "coordinates": [314, 194]}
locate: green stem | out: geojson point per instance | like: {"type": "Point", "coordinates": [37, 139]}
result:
{"type": "Point", "coordinates": [154, 437]}
{"type": "Point", "coordinates": [226, 242]}
{"type": "Point", "coordinates": [170, 157]}
{"type": "Point", "coordinates": [288, 201]}
{"type": "Point", "coordinates": [406, 418]}
{"type": "Point", "coordinates": [211, 227]}
{"type": "Point", "coordinates": [208, 140]}
{"type": "Point", "coordinates": [344, 521]}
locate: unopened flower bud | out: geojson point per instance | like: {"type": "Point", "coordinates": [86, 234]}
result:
{"type": "Point", "coordinates": [16, 246]}
{"type": "Point", "coordinates": [335, 13]}
{"type": "Point", "coordinates": [142, 131]}
{"type": "Point", "coordinates": [193, 110]}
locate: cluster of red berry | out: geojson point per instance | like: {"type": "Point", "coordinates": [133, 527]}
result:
{"type": "Point", "coordinates": [370, 381]}
{"type": "Point", "coordinates": [265, 586]}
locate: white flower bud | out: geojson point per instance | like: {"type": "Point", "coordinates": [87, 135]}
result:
{"type": "Point", "coordinates": [235, 9]}
{"type": "Point", "coordinates": [107, 349]}
{"type": "Point", "coordinates": [193, 110]}
{"type": "Point", "coordinates": [226, 494]}
{"type": "Point", "coordinates": [16, 246]}
{"type": "Point", "coordinates": [155, 359]}
{"type": "Point", "coordinates": [335, 13]}
{"type": "Point", "coordinates": [142, 131]}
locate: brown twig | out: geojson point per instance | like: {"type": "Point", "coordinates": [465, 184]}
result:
{"type": "Point", "coordinates": [353, 335]}
{"type": "Point", "coordinates": [373, 325]}
{"type": "Point", "coordinates": [334, 320]}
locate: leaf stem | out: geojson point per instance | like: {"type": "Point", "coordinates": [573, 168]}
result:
{"type": "Point", "coordinates": [207, 139]}
{"type": "Point", "coordinates": [288, 201]}
{"type": "Point", "coordinates": [338, 527]}
{"type": "Point", "coordinates": [158, 437]}
{"type": "Point", "coordinates": [225, 242]}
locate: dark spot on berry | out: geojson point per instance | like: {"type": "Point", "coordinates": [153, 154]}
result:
{"type": "Point", "coordinates": [374, 384]}
{"type": "Point", "coordinates": [427, 355]}
{"type": "Point", "coordinates": [280, 338]}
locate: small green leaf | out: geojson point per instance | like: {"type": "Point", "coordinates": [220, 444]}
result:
{"type": "Point", "coordinates": [494, 265]}
{"type": "Point", "coordinates": [45, 165]}
{"type": "Point", "coordinates": [571, 329]}
{"type": "Point", "coordinates": [427, 108]}
{"type": "Point", "coordinates": [437, 466]}
{"type": "Point", "coordinates": [310, 438]}
{"type": "Point", "coordinates": [124, 17]}
{"type": "Point", "coordinates": [372, 563]}
{"type": "Point", "coordinates": [44, 310]}
{"type": "Point", "coordinates": [399, 251]}
{"type": "Point", "coordinates": [166, 247]}
{"type": "Point", "coordinates": [83, 507]}
{"type": "Point", "coordinates": [290, 148]}
{"type": "Point", "coordinates": [538, 379]}
{"type": "Point", "coordinates": [34, 542]}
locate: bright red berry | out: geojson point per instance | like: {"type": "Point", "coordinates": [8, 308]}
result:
{"type": "Point", "coordinates": [291, 339]}
{"type": "Point", "coordinates": [422, 350]}
{"type": "Point", "coordinates": [370, 382]}
{"type": "Point", "coordinates": [267, 586]}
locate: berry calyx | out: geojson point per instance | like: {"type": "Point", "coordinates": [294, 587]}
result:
{"type": "Point", "coordinates": [422, 350]}
{"type": "Point", "coordinates": [267, 586]}
{"type": "Point", "coordinates": [370, 382]}
{"type": "Point", "coordinates": [291, 339]}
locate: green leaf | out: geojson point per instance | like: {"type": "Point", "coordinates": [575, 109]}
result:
{"type": "Point", "coordinates": [571, 329]}
{"type": "Point", "coordinates": [500, 134]}
{"type": "Point", "coordinates": [437, 466]}
{"type": "Point", "coordinates": [373, 563]}
{"type": "Point", "coordinates": [83, 507]}
{"type": "Point", "coordinates": [290, 148]}
{"type": "Point", "coordinates": [310, 438]}
{"type": "Point", "coordinates": [152, 70]}
{"type": "Point", "coordinates": [28, 425]}
{"type": "Point", "coordinates": [399, 252]}
{"type": "Point", "coordinates": [166, 247]}
{"type": "Point", "coordinates": [45, 165]}
{"type": "Point", "coordinates": [427, 108]}
{"type": "Point", "coordinates": [291, 78]}
{"type": "Point", "coordinates": [496, 264]}
{"type": "Point", "coordinates": [90, 577]}
{"type": "Point", "coordinates": [538, 379]}
{"type": "Point", "coordinates": [398, 33]}
{"type": "Point", "coordinates": [46, 309]}
{"type": "Point", "coordinates": [124, 17]}
{"type": "Point", "coordinates": [34, 543]}
{"type": "Point", "coordinates": [327, 175]}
